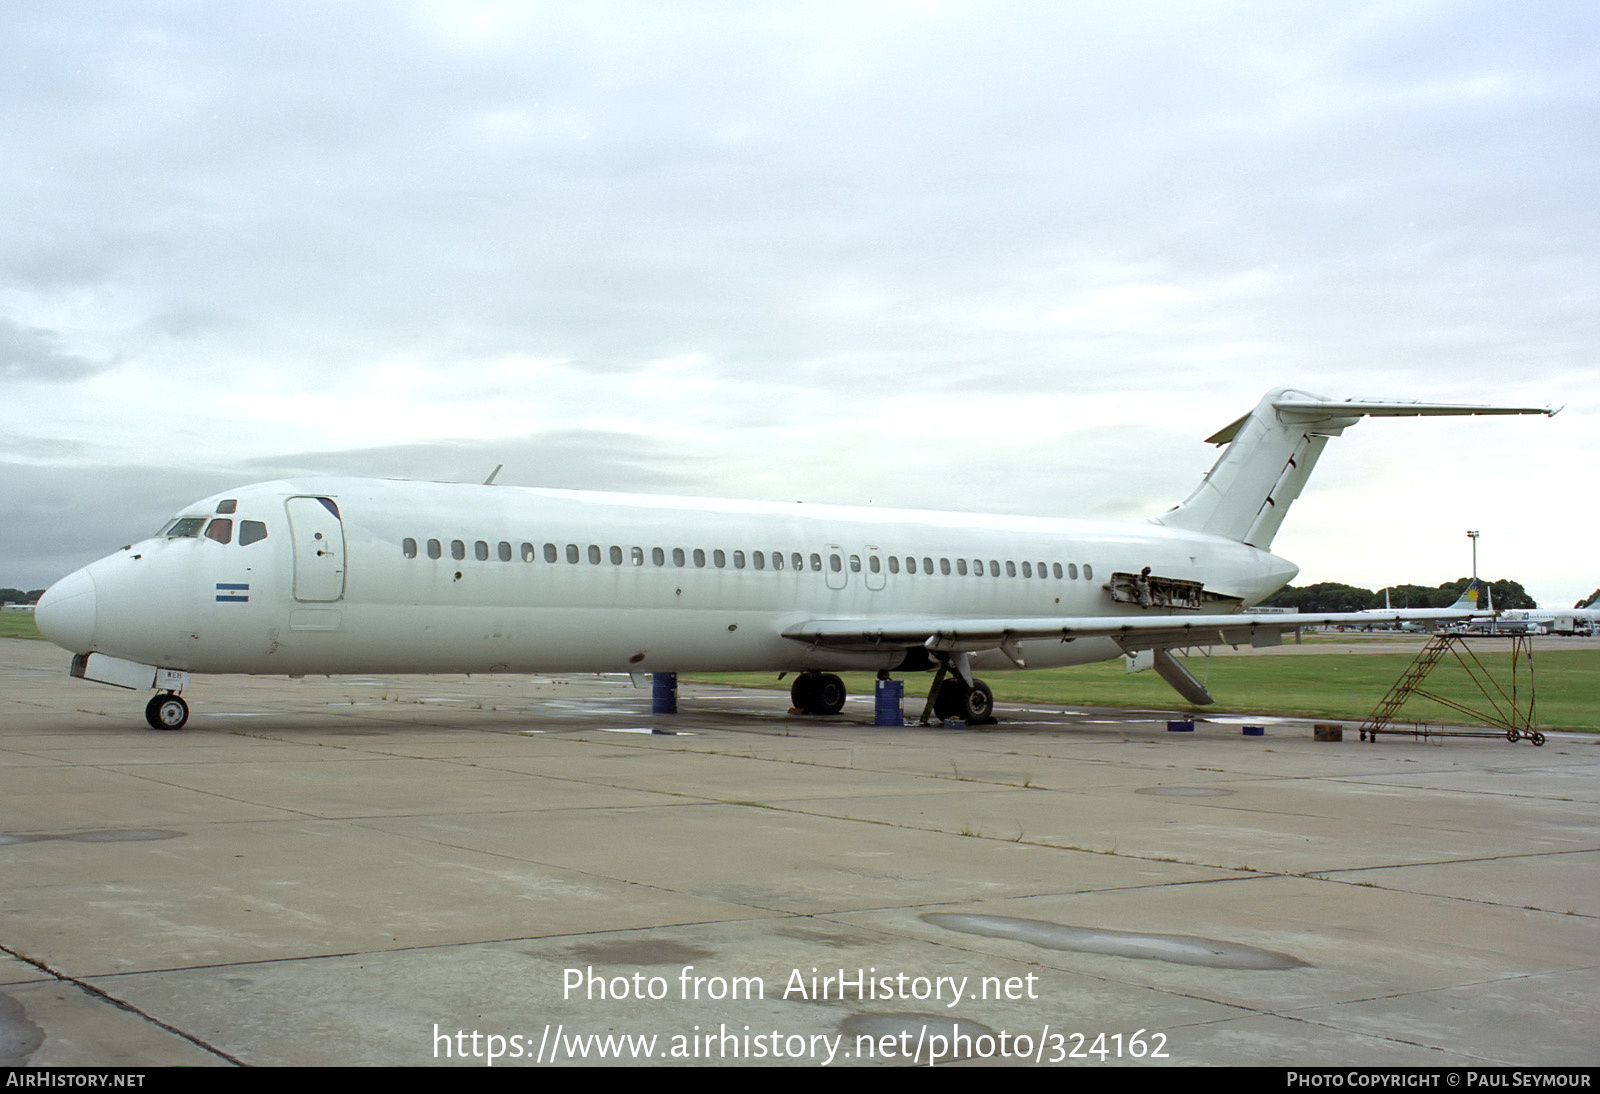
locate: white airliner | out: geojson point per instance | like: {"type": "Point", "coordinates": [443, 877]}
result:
{"type": "Point", "coordinates": [1548, 620]}
{"type": "Point", "coordinates": [375, 576]}
{"type": "Point", "coordinates": [1470, 602]}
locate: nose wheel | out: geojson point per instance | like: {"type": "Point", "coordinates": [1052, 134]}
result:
{"type": "Point", "coordinates": [166, 711]}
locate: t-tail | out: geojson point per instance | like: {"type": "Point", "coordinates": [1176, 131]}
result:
{"type": "Point", "coordinates": [1270, 453]}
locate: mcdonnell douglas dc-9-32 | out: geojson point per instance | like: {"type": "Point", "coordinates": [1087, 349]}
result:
{"type": "Point", "coordinates": [346, 575]}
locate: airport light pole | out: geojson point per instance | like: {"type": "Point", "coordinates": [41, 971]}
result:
{"type": "Point", "coordinates": [1474, 537]}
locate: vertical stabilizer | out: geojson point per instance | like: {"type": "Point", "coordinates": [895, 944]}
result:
{"type": "Point", "coordinates": [1472, 598]}
{"type": "Point", "coordinates": [1270, 453]}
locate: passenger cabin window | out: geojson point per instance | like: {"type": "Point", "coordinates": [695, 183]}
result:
{"type": "Point", "coordinates": [434, 550]}
{"type": "Point", "coordinates": [1088, 572]}
{"type": "Point", "coordinates": [550, 552]}
{"type": "Point", "coordinates": [408, 546]}
{"type": "Point", "coordinates": [528, 553]}
{"type": "Point", "coordinates": [573, 555]}
{"type": "Point", "coordinates": [458, 550]}
{"type": "Point", "coordinates": [636, 555]}
{"type": "Point", "coordinates": [480, 551]}
{"type": "Point", "coordinates": [658, 557]}
{"type": "Point", "coordinates": [504, 551]}
{"type": "Point", "coordinates": [1072, 570]}
{"type": "Point", "coordinates": [594, 554]}
{"type": "Point", "coordinates": [616, 555]}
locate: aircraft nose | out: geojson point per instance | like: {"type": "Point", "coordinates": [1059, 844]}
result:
{"type": "Point", "coordinates": [66, 612]}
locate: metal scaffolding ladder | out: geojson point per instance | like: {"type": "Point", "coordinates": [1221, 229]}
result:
{"type": "Point", "coordinates": [1504, 709]}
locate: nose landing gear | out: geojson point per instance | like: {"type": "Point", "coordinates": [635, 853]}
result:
{"type": "Point", "coordinates": [166, 710]}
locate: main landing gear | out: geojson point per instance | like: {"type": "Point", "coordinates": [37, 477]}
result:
{"type": "Point", "coordinates": [956, 693]}
{"type": "Point", "coordinates": [817, 693]}
{"type": "Point", "coordinates": [166, 710]}
{"type": "Point", "coordinates": [950, 697]}
{"type": "Point", "coordinates": [973, 705]}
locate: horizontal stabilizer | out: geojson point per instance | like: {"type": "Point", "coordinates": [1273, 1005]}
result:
{"type": "Point", "coordinates": [1307, 408]}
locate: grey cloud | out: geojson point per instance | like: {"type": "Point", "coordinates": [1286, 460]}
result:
{"type": "Point", "coordinates": [27, 353]}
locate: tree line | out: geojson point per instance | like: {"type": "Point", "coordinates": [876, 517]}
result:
{"type": "Point", "coordinates": [17, 596]}
{"type": "Point", "coordinates": [1331, 596]}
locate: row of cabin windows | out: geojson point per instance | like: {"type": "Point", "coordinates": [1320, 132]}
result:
{"type": "Point", "coordinates": [739, 560]}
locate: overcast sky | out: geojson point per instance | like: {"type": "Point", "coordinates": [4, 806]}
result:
{"type": "Point", "coordinates": [982, 256]}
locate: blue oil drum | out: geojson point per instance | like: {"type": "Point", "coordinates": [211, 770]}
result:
{"type": "Point", "coordinates": [888, 703]}
{"type": "Point", "coordinates": [664, 693]}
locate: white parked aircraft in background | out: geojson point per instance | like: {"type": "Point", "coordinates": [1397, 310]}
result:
{"type": "Point", "coordinates": [1472, 601]}
{"type": "Point", "coordinates": [375, 576]}
{"type": "Point", "coordinates": [1547, 620]}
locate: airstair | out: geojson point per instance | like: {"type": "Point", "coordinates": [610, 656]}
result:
{"type": "Point", "coordinates": [1504, 709]}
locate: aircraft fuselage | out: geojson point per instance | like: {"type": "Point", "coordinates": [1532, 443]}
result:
{"type": "Point", "coordinates": [364, 576]}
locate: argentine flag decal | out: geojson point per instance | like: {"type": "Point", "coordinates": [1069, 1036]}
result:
{"type": "Point", "coordinates": [233, 592]}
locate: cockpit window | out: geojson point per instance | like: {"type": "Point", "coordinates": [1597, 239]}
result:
{"type": "Point", "coordinates": [220, 530]}
{"type": "Point", "coordinates": [229, 506]}
{"type": "Point", "coordinates": [251, 531]}
{"type": "Point", "coordinates": [184, 528]}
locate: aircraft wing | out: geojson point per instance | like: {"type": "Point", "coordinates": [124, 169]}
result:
{"type": "Point", "coordinates": [1133, 633]}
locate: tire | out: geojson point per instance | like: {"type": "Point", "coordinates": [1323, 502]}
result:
{"type": "Point", "coordinates": [950, 700]}
{"type": "Point", "coordinates": [829, 694]}
{"type": "Point", "coordinates": [166, 712]}
{"type": "Point", "coordinates": [978, 705]}
{"type": "Point", "coordinates": [802, 693]}
{"type": "Point", "coordinates": [974, 705]}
